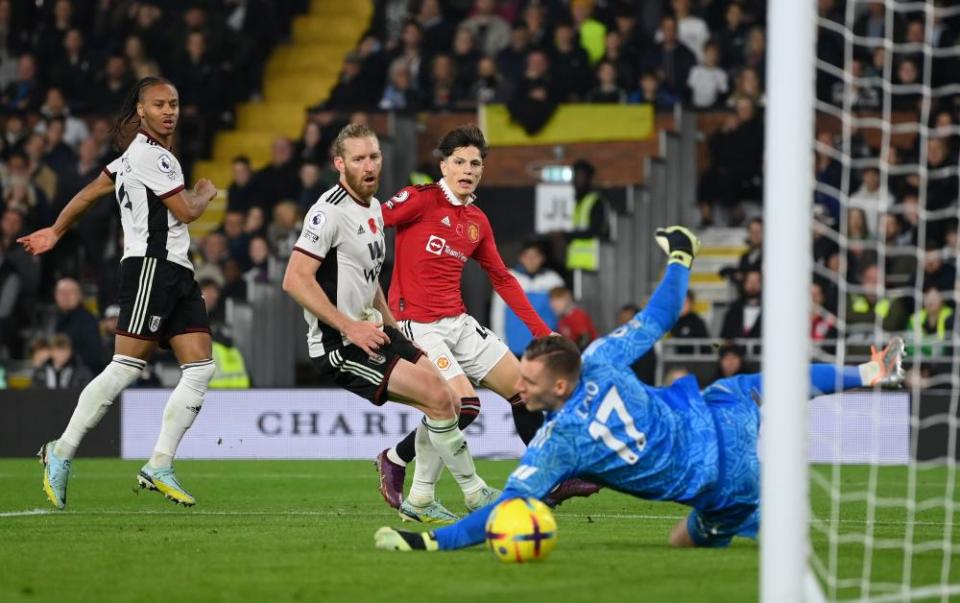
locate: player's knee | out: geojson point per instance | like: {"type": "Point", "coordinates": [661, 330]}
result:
{"type": "Point", "coordinates": [439, 400]}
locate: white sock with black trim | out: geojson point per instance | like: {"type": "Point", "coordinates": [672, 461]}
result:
{"type": "Point", "coordinates": [181, 410]}
{"type": "Point", "coordinates": [95, 400]}
{"type": "Point", "coordinates": [448, 441]}
{"type": "Point", "coordinates": [426, 470]}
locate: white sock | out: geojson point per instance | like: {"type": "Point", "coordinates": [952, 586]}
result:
{"type": "Point", "coordinates": [427, 469]}
{"type": "Point", "coordinates": [182, 408]}
{"type": "Point", "coordinates": [448, 441]}
{"type": "Point", "coordinates": [395, 458]}
{"type": "Point", "coordinates": [95, 400]}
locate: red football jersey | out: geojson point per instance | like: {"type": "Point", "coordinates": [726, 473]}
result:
{"type": "Point", "coordinates": [436, 235]}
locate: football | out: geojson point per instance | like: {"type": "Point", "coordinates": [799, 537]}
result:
{"type": "Point", "coordinates": [521, 530]}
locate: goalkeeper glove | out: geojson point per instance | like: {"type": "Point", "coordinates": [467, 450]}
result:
{"type": "Point", "coordinates": [679, 244]}
{"type": "Point", "coordinates": [388, 539]}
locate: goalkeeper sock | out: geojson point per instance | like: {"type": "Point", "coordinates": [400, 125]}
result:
{"type": "Point", "coordinates": [181, 410]}
{"type": "Point", "coordinates": [405, 450]}
{"type": "Point", "coordinates": [524, 421]}
{"type": "Point", "coordinates": [95, 400]}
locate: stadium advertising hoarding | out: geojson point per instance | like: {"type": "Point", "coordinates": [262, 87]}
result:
{"type": "Point", "coordinates": [333, 424]}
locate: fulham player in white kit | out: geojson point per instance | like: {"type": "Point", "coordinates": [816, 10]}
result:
{"type": "Point", "coordinates": [159, 299]}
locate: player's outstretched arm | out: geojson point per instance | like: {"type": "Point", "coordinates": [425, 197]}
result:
{"type": "Point", "coordinates": [631, 341]}
{"type": "Point", "coordinates": [45, 239]}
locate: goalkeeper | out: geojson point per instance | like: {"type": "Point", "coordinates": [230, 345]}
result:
{"type": "Point", "coordinates": [681, 444]}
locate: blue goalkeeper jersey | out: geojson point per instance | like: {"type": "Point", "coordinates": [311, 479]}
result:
{"type": "Point", "coordinates": [655, 443]}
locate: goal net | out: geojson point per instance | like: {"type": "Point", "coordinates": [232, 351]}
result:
{"type": "Point", "coordinates": [882, 478]}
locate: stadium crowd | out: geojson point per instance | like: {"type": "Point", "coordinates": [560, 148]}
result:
{"type": "Point", "coordinates": [65, 66]}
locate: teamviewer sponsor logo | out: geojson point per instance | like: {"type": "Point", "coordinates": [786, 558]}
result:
{"type": "Point", "coordinates": [436, 244]}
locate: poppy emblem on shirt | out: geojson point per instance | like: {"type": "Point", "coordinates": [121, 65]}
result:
{"type": "Point", "coordinates": [372, 223]}
{"type": "Point", "coordinates": [473, 232]}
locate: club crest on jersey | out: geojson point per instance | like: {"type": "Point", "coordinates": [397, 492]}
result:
{"type": "Point", "coordinates": [154, 323]}
{"type": "Point", "coordinates": [378, 359]}
{"type": "Point", "coordinates": [436, 244]}
{"type": "Point", "coordinates": [372, 223]}
{"type": "Point", "coordinates": [473, 232]}
{"type": "Point", "coordinates": [400, 197]}
{"type": "Point", "coordinates": [165, 164]}
{"type": "Point", "coordinates": [443, 363]}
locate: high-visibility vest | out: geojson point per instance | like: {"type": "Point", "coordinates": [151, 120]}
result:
{"type": "Point", "coordinates": [584, 254]}
{"type": "Point", "coordinates": [862, 306]}
{"type": "Point", "coordinates": [230, 372]}
{"type": "Point", "coordinates": [920, 318]}
{"type": "Point", "coordinates": [417, 177]}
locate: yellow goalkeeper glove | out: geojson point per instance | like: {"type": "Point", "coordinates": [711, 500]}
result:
{"type": "Point", "coordinates": [679, 243]}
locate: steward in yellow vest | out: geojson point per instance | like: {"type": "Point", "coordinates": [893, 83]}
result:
{"type": "Point", "coordinates": [591, 221]}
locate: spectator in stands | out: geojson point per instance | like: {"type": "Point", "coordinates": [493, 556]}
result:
{"type": "Point", "coordinates": [213, 253]}
{"type": "Point", "coordinates": [259, 252]}
{"type": "Point", "coordinates": [14, 130]}
{"type": "Point", "coordinates": [535, 97]}
{"type": "Point", "coordinates": [942, 187]}
{"type": "Point", "coordinates": [111, 87]}
{"type": "Point", "coordinates": [908, 74]}
{"type": "Point", "coordinates": [488, 87]}
{"type": "Point", "coordinates": [351, 88]}
{"type": "Point", "coordinates": [729, 361]}
{"type": "Point", "coordinates": [822, 320]}
{"type": "Point", "coordinates": [410, 54]}
{"type": "Point", "coordinates": [938, 273]}
{"type": "Point", "coordinates": [645, 368]}
{"type": "Point", "coordinates": [277, 180]}
{"type": "Point", "coordinates": [211, 298]}
{"type": "Point", "coordinates": [690, 326]}
{"type": "Point", "coordinates": [400, 94]}
{"type": "Point", "coordinates": [752, 258]}
{"type": "Point", "coordinates": [437, 30]}
{"type": "Point", "coordinates": [650, 91]}
{"type": "Point", "coordinates": [55, 106]}
{"type": "Point", "coordinates": [311, 146]}
{"type": "Point", "coordinates": [935, 322]}
{"type": "Point", "coordinates": [607, 90]}
{"type": "Point", "coordinates": [241, 194]}
{"type": "Point", "coordinates": [311, 186]}
{"type": "Point", "coordinates": [10, 285]}
{"type": "Point", "coordinates": [625, 66]}
{"type": "Point", "coordinates": [25, 265]}
{"type": "Point", "coordinates": [73, 70]}
{"type": "Point", "coordinates": [859, 94]}
{"type": "Point", "coordinates": [24, 93]}
{"type": "Point", "coordinates": [284, 231]}
{"type": "Point", "coordinates": [63, 369]}
{"type": "Point", "coordinates": [732, 36]}
{"type": "Point", "coordinates": [465, 55]}
{"type": "Point", "coordinates": [490, 30]}
{"type": "Point", "coordinates": [57, 154]}
{"type": "Point", "coordinates": [691, 29]}
{"type": "Point", "coordinates": [573, 322]}
{"type": "Point", "coordinates": [234, 286]}
{"type": "Point", "coordinates": [708, 81]}
{"type": "Point", "coordinates": [41, 174]}
{"type": "Point", "coordinates": [828, 173]}
{"type": "Point", "coordinates": [872, 23]}
{"type": "Point", "coordinates": [77, 323]}
{"type": "Point", "coordinates": [536, 279]}
{"type": "Point", "coordinates": [238, 242]}
{"type": "Point", "coordinates": [865, 305]}
{"type": "Point", "coordinates": [736, 157]}
{"type": "Point", "coordinates": [755, 52]}
{"type": "Point", "coordinates": [743, 317]}
{"type": "Point", "coordinates": [867, 197]}
{"type": "Point", "coordinates": [671, 59]}
{"type": "Point", "coordinates": [901, 264]}
{"type": "Point", "coordinates": [511, 61]}
{"type": "Point", "coordinates": [140, 63]}
{"type": "Point", "coordinates": [442, 93]}
{"type": "Point", "coordinates": [746, 85]}
{"type": "Point", "coordinates": [590, 31]}
{"type": "Point", "coordinates": [570, 60]}
{"type": "Point", "coordinates": [256, 224]}
{"type": "Point", "coordinates": [534, 18]}
{"type": "Point", "coordinates": [20, 193]}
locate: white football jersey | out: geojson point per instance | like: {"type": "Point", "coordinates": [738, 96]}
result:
{"type": "Point", "coordinates": [145, 175]}
{"type": "Point", "coordinates": [347, 237]}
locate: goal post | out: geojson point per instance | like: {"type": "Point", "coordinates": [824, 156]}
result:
{"type": "Point", "coordinates": [787, 194]}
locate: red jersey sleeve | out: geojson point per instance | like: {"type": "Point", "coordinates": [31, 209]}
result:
{"type": "Point", "coordinates": [404, 207]}
{"type": "Point", "coordinates": [505, 284]}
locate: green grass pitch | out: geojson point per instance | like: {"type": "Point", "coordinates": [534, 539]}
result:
{"type": "Point", "coordinates": [303, 531]}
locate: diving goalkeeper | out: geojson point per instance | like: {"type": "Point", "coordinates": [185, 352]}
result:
{"type": "Point", "coordinates": [679, 443]}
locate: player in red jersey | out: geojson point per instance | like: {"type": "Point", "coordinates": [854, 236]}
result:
{"type": "Point", "coordinates": [439, 228]}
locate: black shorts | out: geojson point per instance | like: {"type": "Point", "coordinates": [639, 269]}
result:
{"type": "Point", "coordinates": [159, 300]}
{"type": "Point", "coordinates": [352, 369]}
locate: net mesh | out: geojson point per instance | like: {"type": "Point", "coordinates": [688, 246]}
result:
{"type": "Point", "coordinates": [884, 499]}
